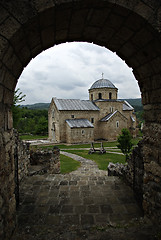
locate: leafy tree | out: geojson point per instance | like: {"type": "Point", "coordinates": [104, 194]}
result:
{"type": "Point", "coordinates": [16, 113]}
{"type": "Point", "coordinates": [42, 126]}
{"type": "Point", "coordinates": [33, 121]}
{"type": "Point", "coordinates": [125, 142]}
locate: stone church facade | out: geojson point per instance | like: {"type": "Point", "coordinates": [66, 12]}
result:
{"type": "Point", "coordinates": [101, 117]}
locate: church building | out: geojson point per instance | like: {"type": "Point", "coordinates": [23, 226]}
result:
{"type": "Point", "coordinates": [102, 117]}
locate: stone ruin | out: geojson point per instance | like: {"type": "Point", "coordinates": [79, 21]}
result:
{"type": "Point", "coordinates": [48, 161]}
{"type": "Point", "coordinates": [22, 160]}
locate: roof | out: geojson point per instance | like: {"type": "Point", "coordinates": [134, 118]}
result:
{"type": "Point", "coordinates": [75, 104]}
{"type": "Point", "coordinates": [108, 116]}
{"type": "Point", "coordinates": [133, 119]}
{"type": "Point", "coordinates": [102, 83]}
{"type": "Point", "coordinates": [127, 106]}
{"type": "Point", "coordinates": [79, 123]}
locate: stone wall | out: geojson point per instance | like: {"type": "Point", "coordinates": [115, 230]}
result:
{"type": "Point", "coordinates": [21, 156]}
{"type": "Point", "coordinates": [152, 172]}
{"type": "Point", "coordinates": [105, 93]}
{"type": "Point", "coordinates": [48, 159]}
{"type": "Point", "coordinates": [135, 171]}
{"type": "Point", "coordinates": [79, 135]}
{"type": "Point", "coordinates": [11, 173]}
{"type": "Point", "coordinates": [132, 172]}
{"type": "Point", "coordinates": [7, 189]}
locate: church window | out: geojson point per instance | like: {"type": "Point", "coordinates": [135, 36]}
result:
{"type": "Point", "coordinates": [92, 120]}
{"type": "Point", "coordinates": [91, 97]}
{"type": "Point", "coordinates": [83, 132]}
{"type": "Point", "coordinates": [110, 95]}
{"type": "Point", "coordinates": [100, 96]}
{"type": "Point", "coordinates": [53, 127]}
{"type": "Point", "coordinates": [117, 124]}
{"type": "Point", "coordinates": [72, 116]}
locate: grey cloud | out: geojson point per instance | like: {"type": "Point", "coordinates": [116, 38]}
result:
{"type": "Point", "coordinates": [68, 71]}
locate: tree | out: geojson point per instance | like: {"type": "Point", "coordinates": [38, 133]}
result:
{"type": "Point", "coordinates": [124, 142]}
{"type": "Point", "coordinates": [18, 98]}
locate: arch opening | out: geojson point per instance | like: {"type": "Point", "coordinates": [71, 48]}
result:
{"type": "Point", "coordinates": [131, 30]}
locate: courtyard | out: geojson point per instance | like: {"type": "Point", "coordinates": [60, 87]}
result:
{"type": "Point", "coordinates": [83, 204]}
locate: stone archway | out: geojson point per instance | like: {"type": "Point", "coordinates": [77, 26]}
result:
{"type": "Point", "coordinates": [129, 28]}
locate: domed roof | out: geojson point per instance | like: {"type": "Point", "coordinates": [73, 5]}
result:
{"type": "Point", "coordinates": [102, 83]}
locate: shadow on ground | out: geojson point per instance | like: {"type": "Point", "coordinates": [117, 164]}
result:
{"type": "Point", "coordinates": [85, 204]}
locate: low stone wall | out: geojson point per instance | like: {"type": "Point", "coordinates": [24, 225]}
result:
{"type": "Point", "coordinates": [132, 172]}
{"type": "Point", "coordinates": [48, 159]}
{"type": "Point", "coordinates": [12, 171]}
{"type": "Point", "coordinates": [21, 156]}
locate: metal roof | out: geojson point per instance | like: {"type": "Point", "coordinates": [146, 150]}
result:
{"type": "Point", "coordinates": [79, 123]}
{"type": "Point", "coordinates": [108, 116]}
{"type": "Point", "coordinates": [102, 83]}
{"type": "Point", "coordinates": [133, 119]}
{"type": "Point", "coordinates": [75, 104]}
{"type": "Point", "coordinates": [127, 106]}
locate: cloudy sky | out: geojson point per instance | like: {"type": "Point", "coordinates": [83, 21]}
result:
{"type": "Point", "coordinates": [68, 71]}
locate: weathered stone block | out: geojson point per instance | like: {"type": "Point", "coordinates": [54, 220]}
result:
{"type": "Point", "coordinates": [47, 37]}
{"type": "Point", "coordinates": [153, 168]}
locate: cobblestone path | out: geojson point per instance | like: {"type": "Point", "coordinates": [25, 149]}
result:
{"type": "Point", "coordinates": [85, 204]}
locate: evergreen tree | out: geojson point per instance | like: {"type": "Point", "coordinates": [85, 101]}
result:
{"type": "Point", "coordinates": [124, 142]}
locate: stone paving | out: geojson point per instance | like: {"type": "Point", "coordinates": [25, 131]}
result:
{"type": "Point", "coordinates": [85, 204]}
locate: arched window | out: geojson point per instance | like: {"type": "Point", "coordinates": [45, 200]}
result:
{"type": "Point", "coordinates": [91, 97]}
{"type": "Point", "coordinates": [110, 95]}
{"type": "Point", "coordinates": [92, 120]}
{"type": "Point", "coordinates": [83, 132]}
{"type": "Point", "coordinates": [100, 96]}
{"type": "Point", "coordinates": [111, 109]}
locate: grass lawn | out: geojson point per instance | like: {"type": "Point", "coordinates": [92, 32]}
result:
{"type": "Point", "coordinates": [102, 160]}
{"type": "Point", "coordinates": [32, 137]}
{"type": "Point", "coordinates": [96, 145]}
{"type": "Point", "coordinates": [67, 164]}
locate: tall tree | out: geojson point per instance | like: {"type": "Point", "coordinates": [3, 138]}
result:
{"type": "Point", "coordinates": [18, 98]}
{"type": "Point", "coordinates": [125, 142]}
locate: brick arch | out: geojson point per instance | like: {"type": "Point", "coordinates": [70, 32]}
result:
{"type": "Point", "coordinates": [129, 28]}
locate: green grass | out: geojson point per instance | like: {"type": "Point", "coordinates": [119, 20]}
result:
{"type": "Point", "coordinates": [32, 137]}
{"type": "Point", "coordinates": [102, 160]}
{"type": "Point", "coordinates": [67, 164]}
{"type": "Point", "coordinates": [96, 145]}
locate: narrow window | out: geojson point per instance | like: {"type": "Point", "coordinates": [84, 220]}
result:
{"type": "Point", "coordinates": [92, 120]}
{"type": "Point", "coordinates": [91, 97]}
{"type": "Point", "coordinates": [72, 116]}
{"type": "Point", "coordinates": [117, 124]}
{"type": "Point", "coordinates": [83, 131]}
{"type": "Point", "coordinates": [110, 95]}
{"type": "Point", "coordinates": [100, 96]}
{"type": "Point", "coordinates": [111, 109]}
{"type": "Point", "coordinates": [53, 114]}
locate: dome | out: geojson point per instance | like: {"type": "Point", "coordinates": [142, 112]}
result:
{"type": "Point", "coordinates": [102, 83]}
